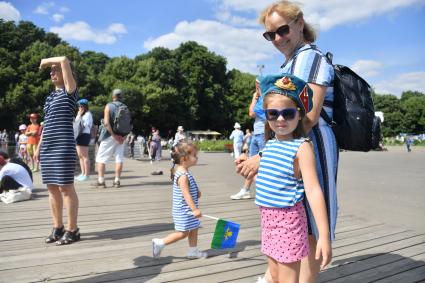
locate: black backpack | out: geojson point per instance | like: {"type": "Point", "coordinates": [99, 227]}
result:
{"type": "Point", "coordinates": [354, 122]}
{"type": "Point", "coordinates": [121, 122]}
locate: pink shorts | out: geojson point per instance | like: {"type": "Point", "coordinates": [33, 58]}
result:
{"type": "Point", "coordinates": [284, 233]}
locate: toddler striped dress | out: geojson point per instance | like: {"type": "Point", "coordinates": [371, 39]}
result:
{"type": "Point", "coordinates": [58, 154]}
{"type": "Point", "coordinates": [183, 220]}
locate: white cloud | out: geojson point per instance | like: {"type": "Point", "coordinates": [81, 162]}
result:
{"type": "Point", "coordinates": [64, 9]}
{"type": "Point", "coordinates": [43, 9]}
{"type": "Point", "coordinates": [58, 17]}
{"type": "Point", "coordinates": [321, 14]}
{"type": "Point", "coordinates": [241, 47]}
{"type": "Point", "coordinates": [8, 12]}
{"type": "Point", "coordinates": [82, 31]}
{"type": "Point", "coordinates": [414, 81]}
{"type": "Point", "coordinates": [367, 68]}
{"type": "Point", "coordinates": [117, 28]}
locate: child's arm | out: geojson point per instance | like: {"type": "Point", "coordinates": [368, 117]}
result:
{"type": "Point", "coordinates": [183, 182]}
{"type": "Point", "coordinates": [307, 166]}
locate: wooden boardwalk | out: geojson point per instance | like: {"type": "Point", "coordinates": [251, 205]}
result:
{"type": "Point", "coordinates": [117, 226]}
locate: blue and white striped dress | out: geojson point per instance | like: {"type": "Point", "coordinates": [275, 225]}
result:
{"type": "Point", "coordinates": [276, 185]}
{"type": "Point", "coordinates": [183, 220]}
{"type": "Point", "coordinates": [310, 65]}
{"type": "Point", "coordinates": [58, 152]}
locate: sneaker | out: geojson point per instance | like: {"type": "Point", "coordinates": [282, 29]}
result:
{"type": "Point", "coordinates": [78, 177]}
{"type": "Point", "coordinates": [156, 248]}
{"type": "Point", "coordinates": [243, 194]}
{"type": "Point", "coordinates": [116, 184]}
{"type": "Point", "coordinates": [98, 185]}
{"type": "Point", "coordinates": [83, 178]}
{"type": "Point", "coordinates": [196, 254]}
{"type": "Point", "coordinates": [261, 280]}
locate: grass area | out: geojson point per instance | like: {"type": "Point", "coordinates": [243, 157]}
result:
{"type": "Point", "coordinates": [214, 145]}
{"type": "Point", "coordinates": [392, 142]}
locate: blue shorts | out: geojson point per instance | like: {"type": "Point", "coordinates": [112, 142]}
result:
{"type": "Point", "coordinates": [83, 140]}
{"type": "Point", "coordinates": [257, 144]}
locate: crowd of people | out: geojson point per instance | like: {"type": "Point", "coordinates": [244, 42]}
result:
{"type": "Point", "coordinates": [291, 155]}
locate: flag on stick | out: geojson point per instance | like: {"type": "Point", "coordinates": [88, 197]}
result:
{"type": "Point", "coordinates": [225, 234]}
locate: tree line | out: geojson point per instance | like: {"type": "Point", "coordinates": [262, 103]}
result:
{"type": "Point", "coordinates": [187, 86]}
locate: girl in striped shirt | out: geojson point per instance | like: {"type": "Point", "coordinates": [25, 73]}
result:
{"type": "Point", "coordinates": [186, 212]}
{"type": "Point", "coordinates": [287, 172]}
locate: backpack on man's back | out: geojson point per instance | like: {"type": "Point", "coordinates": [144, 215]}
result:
{"type": "Point", "coordinates": [121, 120]}
{"type": "Point", "coordinates": [354, 122]}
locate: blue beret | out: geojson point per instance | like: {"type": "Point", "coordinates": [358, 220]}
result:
{"type": "Point", "coordinates": [83, 102]}
{"type": "Point", "coordinates": [290, 86]}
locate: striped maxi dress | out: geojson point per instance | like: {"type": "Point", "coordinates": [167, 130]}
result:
{"type": "Point", "coordinates": [58, 153]}
{"type": "Point", "coordinates": [310, 65]}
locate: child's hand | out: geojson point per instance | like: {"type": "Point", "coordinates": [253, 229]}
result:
{"type": "Point", "coordinates": [324, 250]}
{"type": "Point", "coordinates": [197, 213]}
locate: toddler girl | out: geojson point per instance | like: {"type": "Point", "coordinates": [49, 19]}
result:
{"type": "Point", "coordinates": [185, 203]}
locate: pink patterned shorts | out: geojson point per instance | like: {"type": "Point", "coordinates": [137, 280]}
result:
{"type": "Point", "coordinates": [284, 233]}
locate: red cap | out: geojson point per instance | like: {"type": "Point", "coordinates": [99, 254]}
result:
{"type": "Point", "coordinates": [2, 161]}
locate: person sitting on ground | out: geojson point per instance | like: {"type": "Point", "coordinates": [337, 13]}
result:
{"type": "Point", "coordinates": [13, 176]}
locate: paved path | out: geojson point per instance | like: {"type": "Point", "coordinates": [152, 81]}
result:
{"type": "Point", "coordinates": [380, 234]}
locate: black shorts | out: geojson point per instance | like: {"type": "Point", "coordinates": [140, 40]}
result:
{"type": "Point", "coordinates": [83, 140]}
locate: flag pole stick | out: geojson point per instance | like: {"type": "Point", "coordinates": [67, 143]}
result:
{"type": "Point", "coordinates": [211, 217]}
{"type": "Point", "coordinates": [205, 215]}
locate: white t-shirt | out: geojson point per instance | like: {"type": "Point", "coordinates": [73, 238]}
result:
{"type": "Point", "coordinates": [18, 173]}
{"type": "Point", "coordinates": [87, 122]}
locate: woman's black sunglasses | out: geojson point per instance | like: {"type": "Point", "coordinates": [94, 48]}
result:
{"type": "Point", "coordinates": [287, 114]}
{"type": "Point", "coordinates": [281, 31]}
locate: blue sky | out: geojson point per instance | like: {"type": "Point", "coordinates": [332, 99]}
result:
{"type": "Point", "coordinates": [383, 40]}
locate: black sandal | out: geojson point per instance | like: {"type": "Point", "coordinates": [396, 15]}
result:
{"type": "Point", "coordinates": [57, 233]}
{"type": "Point", "coordinates": [69, 237]}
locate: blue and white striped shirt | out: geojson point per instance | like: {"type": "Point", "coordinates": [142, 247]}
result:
{"type": "Point", "coordinates": [311, 65]}
{"type": "Point", "coordinates": [276, 185]}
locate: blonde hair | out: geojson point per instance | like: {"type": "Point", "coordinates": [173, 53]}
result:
{"type": "Point", "coordinates": [180, 151]}
{"type": "Point", "coordinates": [268, 132]}
{"type": "Point", "coordinates": [290, 11]}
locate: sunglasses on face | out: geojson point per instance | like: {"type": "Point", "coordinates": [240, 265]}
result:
{"type": "Point", "coordinates": [281, 31]}
{"type": "Point", "coordinates": [287, 114]}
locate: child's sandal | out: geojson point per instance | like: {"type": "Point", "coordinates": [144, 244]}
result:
{"type": "Point", "coordinates": [69, 237]}
{"type": "Point", "coordinates": [56, 234]}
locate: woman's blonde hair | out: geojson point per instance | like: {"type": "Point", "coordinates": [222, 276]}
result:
{"type": "Point", "coordinates": [290, 11]}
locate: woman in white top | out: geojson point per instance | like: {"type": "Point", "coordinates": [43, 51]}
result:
{"type": "Point", "coordinates": [83, 139]}
{"type": "Point", "coordinates": [180, 136]}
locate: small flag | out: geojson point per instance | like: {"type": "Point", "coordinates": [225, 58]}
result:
{"type": "Point", "coordinates": [225, 234]}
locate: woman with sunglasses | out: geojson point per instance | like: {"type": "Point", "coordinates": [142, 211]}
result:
{"type": "Point", "coordinates": [56, 150]}
{"type": "Point", "coordinates": [287, 30]}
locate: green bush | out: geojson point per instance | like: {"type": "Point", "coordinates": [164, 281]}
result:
{"type": "Point", "coordinates": [393, 142]}
{"type": "Point", "coordinates": [212, 145]}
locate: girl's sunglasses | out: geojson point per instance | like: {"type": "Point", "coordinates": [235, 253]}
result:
{"type": "Point", "coordinates": [287, 114]}
{"type": "Point", "coordinates": [281, 31]}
